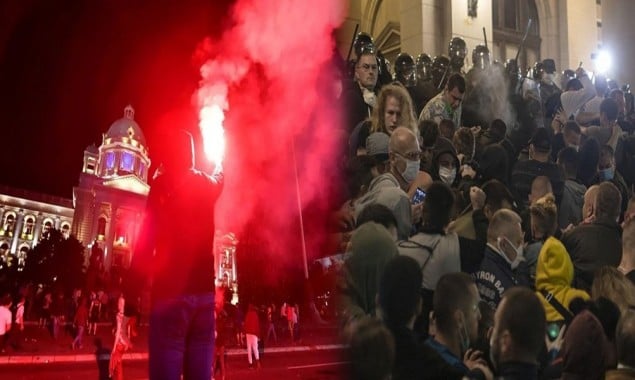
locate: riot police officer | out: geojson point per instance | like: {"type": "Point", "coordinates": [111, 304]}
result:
{"type": "Point", "coordinates": [440, 71]}
{"type": "Point", "coordinates": [457, 51]}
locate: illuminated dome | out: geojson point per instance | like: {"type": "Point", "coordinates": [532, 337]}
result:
{"type": "Point", "coordinates": [126, 127]}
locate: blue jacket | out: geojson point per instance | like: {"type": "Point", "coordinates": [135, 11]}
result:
{"type": "Point", "coordinates": [496, 276]}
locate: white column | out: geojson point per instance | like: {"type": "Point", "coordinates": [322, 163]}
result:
{"type": "Point", "coordinates": [17, 231]}
{"type": "Point", "coordinates": [38, 229]}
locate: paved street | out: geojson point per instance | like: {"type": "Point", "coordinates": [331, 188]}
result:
{"type": "Point", "coordinates": [327, 364]}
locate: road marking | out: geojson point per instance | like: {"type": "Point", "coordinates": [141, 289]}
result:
{"type": "Point", "coordinates": [317, 365]}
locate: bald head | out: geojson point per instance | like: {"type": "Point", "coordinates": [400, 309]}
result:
{"type": "Point", "coordinates": [589, 201]}
{"type": "Point", "coordinates": [505, 223]}
{"type": "Point", "coordinates": [540, 187]}
{"type": "Point", "coordinates": [402, 140]}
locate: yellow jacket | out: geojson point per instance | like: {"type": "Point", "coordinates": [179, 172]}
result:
{"type": "Point", "coordinates": [554, 273]}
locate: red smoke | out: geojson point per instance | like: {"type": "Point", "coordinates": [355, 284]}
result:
{"type": "Point", "coordinates": [266, 73]}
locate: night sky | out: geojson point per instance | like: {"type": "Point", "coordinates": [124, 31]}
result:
{"type": "Point", "coordinates": [68, 69]}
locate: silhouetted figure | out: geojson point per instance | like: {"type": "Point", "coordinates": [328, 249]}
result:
{"type": "Point", "coordinates": [102, 355]}
{"type": "Point", "coordinates": [176, 249]}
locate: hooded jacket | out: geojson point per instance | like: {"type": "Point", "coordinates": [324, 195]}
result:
{"type": "Point", "coordinates": [442, 146]}
{"type": "Point", "coordinates": [372, 247]}
{"type": "Point", "coordinates": [554, 273]}
{"type": "Point", "coordinates": [570, 209]}
{"type": "Point", "coordinates": [384, 190]}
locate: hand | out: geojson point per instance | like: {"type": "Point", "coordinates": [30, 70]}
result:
{"type": "Point", "coordinates": [556, 345]}
{"type": "Point", "coordinates": [467, 171]}
{"type": "Point", "coordinates": [477, 198]}
{"type": "Point", "coordinates": [486, 371]}
{"type": "Point", "coordinates": [417, 212]}
{"type": "Point", "coordinates": [476, 130]}
{"type": "Point", "coordinates": [473, 358]}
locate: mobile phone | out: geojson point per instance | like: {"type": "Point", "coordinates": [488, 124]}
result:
{"type": "Point", "coordinates": [419, 196]}
{"type": "Point", "coordinates": [553, 329]}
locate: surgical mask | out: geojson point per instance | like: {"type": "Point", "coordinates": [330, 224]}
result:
{"type": "Point", "coordinates": [412, 169]}
{"type": "Point", "coordinates": [607, 174]}
{"type": "Point", "coordinates": [519, 253]}
{"type": "Point", "coordinates": [576, 147]}
{"type": "Point", "coordinates": [447, 175]}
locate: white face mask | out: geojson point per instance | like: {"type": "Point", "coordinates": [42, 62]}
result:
{"type": "Point", "coordinates": [577, 148]}
{"type": "Point", "coordinates": [412, 169]}
{"type": "Point", "coordinates": [519, 253]}
{"type": "Point", "coordinates": [447, 175]}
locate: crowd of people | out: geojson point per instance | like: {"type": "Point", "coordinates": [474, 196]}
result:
{"type": "Point", "coordinates": [489, 227]}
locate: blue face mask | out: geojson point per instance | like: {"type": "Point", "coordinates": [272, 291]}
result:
{"type": "Point", "coordinates": [607, 174]}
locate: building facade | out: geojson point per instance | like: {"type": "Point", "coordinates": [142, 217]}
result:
{"type": "Point", "coordinates": [569, 31]}
{"type": "Point", "coordinates": [106, 210]}
{"type": "Point", "coordinates": [25, 218]}
{"type": "Point", "coordinates": [110, 198]}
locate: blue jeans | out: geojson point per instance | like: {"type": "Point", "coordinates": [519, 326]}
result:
{"type": "Point", "coordinates": [181, 338]}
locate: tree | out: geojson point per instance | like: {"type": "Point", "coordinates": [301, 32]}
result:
{"type": "Point", "coordinates": [56, 261]}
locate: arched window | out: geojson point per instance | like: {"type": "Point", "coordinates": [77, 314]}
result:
{"type": "Point", "coordinates": [509, 19]}
{"type": "Point", "coordinates": [46, 227]}
{"type": "Point", "coordinates": [126, 165]}
{"type": "Point", "coordinates": [29, 224]}
{"type": "Point", "coordinates": [8, 224]}
{"type": "Point", "coordinates": [101, 228]}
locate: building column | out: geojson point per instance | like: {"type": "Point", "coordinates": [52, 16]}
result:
{"type": "Point", "coordinates": [39, 219]}
{"type": "Point", "coordinates": [110, 236]}
{"type": "Point", "coordinates": [425, 26]}
{"type": "Point", "coordinates": [17, 231]}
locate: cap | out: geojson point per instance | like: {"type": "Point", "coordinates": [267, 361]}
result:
{"type": "Point", "coordinates": [541, 140]}
{"type": "Point", "coordinates": [377, 146]}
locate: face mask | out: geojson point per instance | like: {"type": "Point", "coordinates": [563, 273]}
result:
{"type": "Point", "coordinates": [607, 174]}
{"type": "Point", "coordinates": [412, 169]}
{"type": "Point", "coordinates": [447, 175]}
{"type": "Point", "coordinates": [577, 148]}
{"type": "Point", "coordinates": [519, 253]}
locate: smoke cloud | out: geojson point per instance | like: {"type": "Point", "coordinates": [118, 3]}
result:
{"type": "Point", "coordinates": [489, 96]}
{"type": "Point", "coordinates": [265, 75]}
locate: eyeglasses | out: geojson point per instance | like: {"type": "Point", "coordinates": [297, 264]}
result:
{"type": "Point", "coordinates": [411, 156]}
{"type": "Point", "coordinates": [367, 67]}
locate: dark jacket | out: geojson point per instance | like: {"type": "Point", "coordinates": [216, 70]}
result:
{"type": "Point", "coordinates": [517, 371]}
{"type": "Point", "coordinates": [414, 360]}
{"type": "Point", "coordinates": [592, 246]}
{"type": "Point", "coordinates": [524, 173]}
{"type": "Point", "coordinates": [175, 241]}
{"type": "Point", "coordinates": [496, 276]}
{"type": "Point", "coordinates": [356, 109]}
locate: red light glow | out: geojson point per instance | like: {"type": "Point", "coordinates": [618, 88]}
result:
{"type": "Point", "coordinates": [263, 81]}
